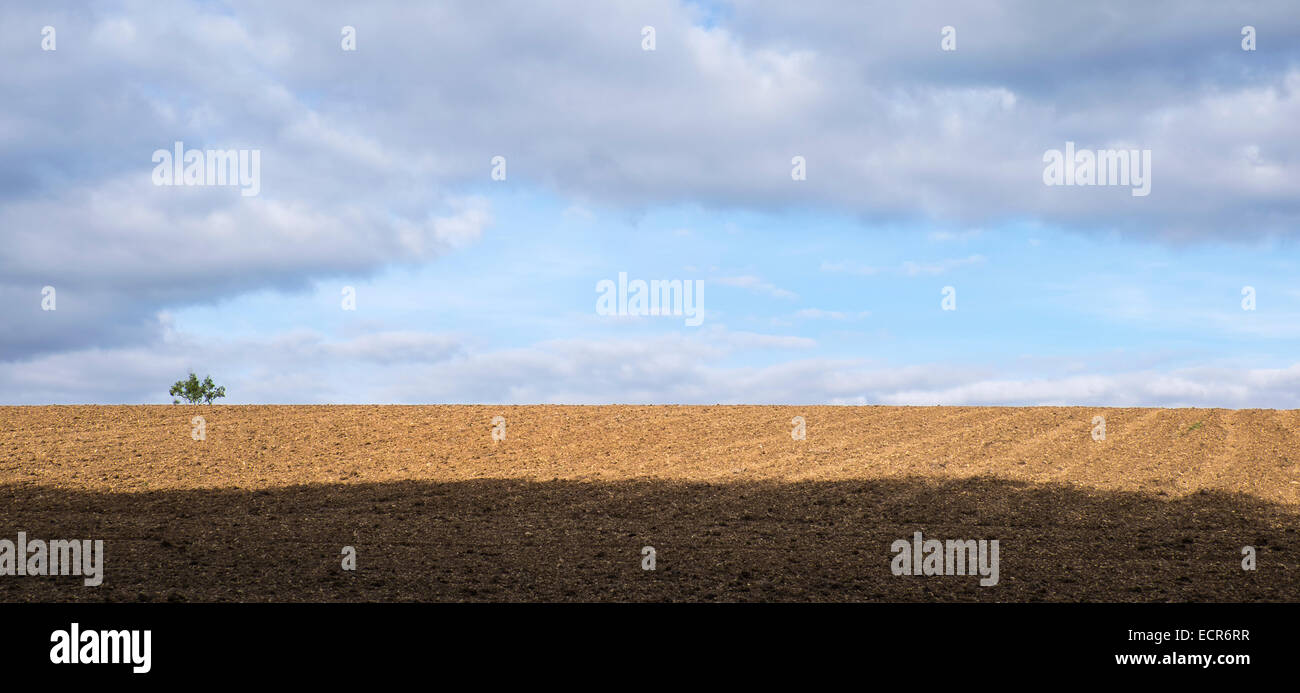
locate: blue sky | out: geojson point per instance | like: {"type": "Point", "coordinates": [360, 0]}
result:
{"type": "Point", "coordinates": [1032, 301]}
{"type": "Point", "coordinates": [924, 171]}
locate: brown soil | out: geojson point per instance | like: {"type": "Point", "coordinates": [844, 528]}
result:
{"type": "Point", "coordinates": [735, 509]}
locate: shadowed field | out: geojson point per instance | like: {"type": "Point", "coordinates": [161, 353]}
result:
{"type": "Point", "coordinates": [736, 510]}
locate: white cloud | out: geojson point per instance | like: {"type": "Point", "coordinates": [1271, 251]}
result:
{"type": "Point", "coordinates": [676, 368]}
{"type": "Point", "coordinates": [374, 159]}
{"type": "Point", "coordinates": [912, 269]}
{"type": "Point", "coordinates": [756, 285]}
{"type": "Point", "coordinates": [951, 236]}
{"type": "Point", "coordinates": [119, 252]}
{"type": "Point", "coordinates": [849, 268]}
{"type": "Point", "coordinates": [819, 314]}
{"type": "Point", "coordinates": [908, 268]}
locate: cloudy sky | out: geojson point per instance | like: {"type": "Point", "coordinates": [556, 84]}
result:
{"type": "Point", "coordinates": [924, 182]}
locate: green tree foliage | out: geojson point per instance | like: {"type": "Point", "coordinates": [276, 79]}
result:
{"type": "Point", "coordinates": [193, 391]}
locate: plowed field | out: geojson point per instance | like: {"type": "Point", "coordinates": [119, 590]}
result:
{"type": "Point", "coordinates": [736, 510]}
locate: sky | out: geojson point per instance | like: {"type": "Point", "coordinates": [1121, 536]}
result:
{"type": "Point", "coordinates": [859, 189]}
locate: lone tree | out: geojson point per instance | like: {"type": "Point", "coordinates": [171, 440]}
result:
{"type": "Point", "coordinates": [193, 391]}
